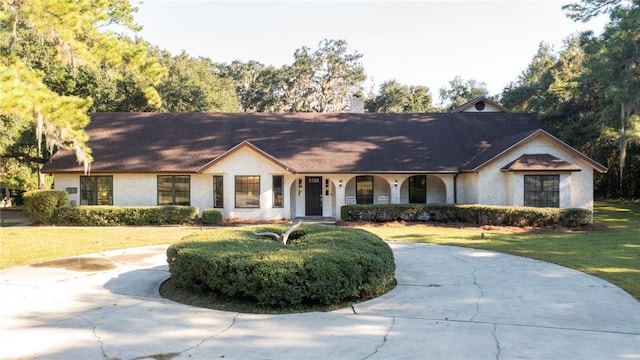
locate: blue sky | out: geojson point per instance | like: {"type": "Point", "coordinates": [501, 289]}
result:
{"type": "Point", "coordinates": [417, 43]}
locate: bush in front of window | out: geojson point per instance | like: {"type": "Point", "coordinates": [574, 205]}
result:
{"type": "Point", "coordinates": [473, 214]}
{"type": "Point", "coordinates": [41, 205]}
{"type": "Point", "coordinates": [211, 216]}
{"type": "Point", "coordinates": [125, 215]}
{"type": "Point", "coordinates": [323, 266]}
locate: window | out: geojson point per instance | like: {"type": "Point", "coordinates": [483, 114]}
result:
{"type": "Point", "coordinates": [278, 191]}
{"type": "Point", "coordinates": [542, 190]}
{"type": "Point", "coordinates": [247, 191]}
{"type": "Point", "coordinates": [218, 192]}
{"type": "Point", "coordinates": [364, 189]}
{"type": "Point", "coordinates": [174, 190]}
{"type": "Point", "coordinates": [418, 189]}
{"type": "Point", "coordinates": [96, 190]}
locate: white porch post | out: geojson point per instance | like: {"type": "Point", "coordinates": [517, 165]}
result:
{"type": "Point", "coordinates": [339, 185]}
{"type": "Point", "coordinates": [395, 185]}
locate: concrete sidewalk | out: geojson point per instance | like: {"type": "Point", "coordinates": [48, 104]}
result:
{"type": "Point", "coordinates": [450, 303]}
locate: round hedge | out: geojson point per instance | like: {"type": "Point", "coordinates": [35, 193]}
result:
{"type": "Point", "coordinates": [323, 265]}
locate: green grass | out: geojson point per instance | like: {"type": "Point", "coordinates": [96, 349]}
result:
{"type": "Point", "coordinates": [33, 244]}
{"type": "Point", "coordinates": [612, 254]}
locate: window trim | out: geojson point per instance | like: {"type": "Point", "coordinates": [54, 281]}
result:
{"type": "Point", "coordinates": [362, 198]}
{"type": "Point", "coordinates": [277, 204]}
{"type": "Point", "coordinates": [173, 189]}
{"type": "Point", "coordinates": [96, 190]}
{"type": "Point", "coordinates": [256, 196]}
{"type": "Point", "coordinates": [218, 192]}
{"type": "Point", "coordinates": [549, 199]}
{"type": "Point", "coordinates": [412, 188]}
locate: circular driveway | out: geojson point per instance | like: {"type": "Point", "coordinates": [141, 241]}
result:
{"type": "Point", "coordinates": [450, 303]}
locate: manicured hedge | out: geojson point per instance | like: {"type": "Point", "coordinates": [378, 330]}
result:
{"type": "Point", "coordinates": [324, 265]}
{"type": "Point", "coordinates": [211, 216]}
{"type": "Point", "coordinates": [41, 205]}
{"type": "Point", "coordinates": [125, 215]}
{"type": "Point", "coordinates": [475, 214]}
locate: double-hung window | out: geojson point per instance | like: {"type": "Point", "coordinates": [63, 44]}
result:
{"type": "Point", "coordinates": [542, 190]}
{"type": "Point", "coordinates": [278, 191]}
{"type": "Point", "coordinates": [174, 190]}
{"type": "Point", "coordinates": [418, 189]}
{"type": "Point", "coordinates": [218, 192]}
{"type": "Point", "coordinates": [96, 190]}
{"type": "Point", "coordinates": [364, 189]}
{"type": "Point", "coordinates": [247, 191]}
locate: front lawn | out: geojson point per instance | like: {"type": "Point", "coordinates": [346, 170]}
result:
{"type": "Point", "coordinates": [609, 250]}
{"type": "Point", "coordinates": [612, 254]}
{"type": "Point", "coordinates": [33, 244]}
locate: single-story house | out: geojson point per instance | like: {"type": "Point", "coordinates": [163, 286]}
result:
{"type": "Point", "coordinates": [267, 166]}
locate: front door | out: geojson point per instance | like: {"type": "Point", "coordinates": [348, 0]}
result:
{"type": "Point", "coordinates": [313, 196]}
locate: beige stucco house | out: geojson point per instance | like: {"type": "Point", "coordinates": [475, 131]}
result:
{"type": "Point", "coordinates": [267, 166]}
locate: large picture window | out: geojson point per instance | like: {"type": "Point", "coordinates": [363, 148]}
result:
{"type": "Point", "coordinates": [96, 190]}
{"type": "Point", "coordinates": [174, 190]}
{"type": "Point", "coordinates": [247, 191]}
{"type": "Point", "coordinates": [542, 190]}
{"type": "Point", "coordinates": [278, 191]}
{"type": "Point", "coordinates": [364, 189]}
{"type": "Point", "coordinates": [218, 192]}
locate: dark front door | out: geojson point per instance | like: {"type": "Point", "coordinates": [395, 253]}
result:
{"type": "Point", "coordinates": [313, 196]}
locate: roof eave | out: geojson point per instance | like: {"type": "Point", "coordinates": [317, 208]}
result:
{"type": "Point", "coordinates": [540, 132]}
{"type": "Point", "coordinates": [239, 146]}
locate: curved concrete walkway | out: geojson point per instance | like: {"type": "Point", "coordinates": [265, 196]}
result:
{"type": "Point", "coordinates": [450, 303]}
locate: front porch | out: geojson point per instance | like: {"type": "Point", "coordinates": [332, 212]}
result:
{"type": "Point", "coordinates": [322, 196]}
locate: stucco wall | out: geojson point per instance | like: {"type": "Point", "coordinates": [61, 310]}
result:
{"type": "Point", "coordinates": [467, 188]}
{"type": "Point", "coordinates": [246, 162]}
{"type": "Point", "coordinates": [506, 188]}
{"type": "Point", "coordinates": [489, 186]}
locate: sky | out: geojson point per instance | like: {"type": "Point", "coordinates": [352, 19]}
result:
{"type": "Point", "coordinates": [425, 43]}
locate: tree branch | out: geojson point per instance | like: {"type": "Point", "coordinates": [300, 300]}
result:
{"type": "Point", "coordinates": [280, 238]}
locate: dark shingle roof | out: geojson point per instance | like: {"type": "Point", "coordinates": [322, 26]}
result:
{"type": "Point", "coordinates": [303, 142]}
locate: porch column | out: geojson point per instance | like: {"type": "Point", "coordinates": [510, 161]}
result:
{"type": "Point", "coordinates": [340, 186]}
{"type": "Point", "coordinates": [395, 185]}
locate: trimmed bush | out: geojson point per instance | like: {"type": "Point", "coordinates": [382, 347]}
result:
{"type": "Point", "coordinates": [125, 215]}
{"type": "Point", "coordinates": [324, 265]}
{"type": "Point", "coordinates": [41, 205]}
{"type": "Point", "coordinates": [211, 216]}
{"type": "Point", "coordinates": [474, 214]}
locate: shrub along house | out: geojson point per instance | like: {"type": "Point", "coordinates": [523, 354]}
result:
{"type": "Point", "coordinates": [267, 166]}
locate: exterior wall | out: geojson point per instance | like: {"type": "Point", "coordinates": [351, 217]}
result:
{"type": "Point", "coordinates": [436, 190]}
{"type": "Point", "coordinates": [490, 186]}
{"type": "Point", "coordinates": [507, 188]}
{"type": "Point", "coordinates": [246, 162]}
{"type": "Point", "coordinates": [64, 181]}
{"type": "Point", "coordinates": [467, 188]}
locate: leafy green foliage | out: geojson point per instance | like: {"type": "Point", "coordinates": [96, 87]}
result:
{"type": "Point", "coordinates": [41, 205]}
{"type": "Point", "coordinates": [124, 215]}
{"type": "Point", "coordinates": [36, 89]}
{"type": "Point", "coordinates": [324, 265]}
{"type": "Point", "coordinates": [395, 97]}
{"type": "Point", "coordinates": [473, 214]}
{"type": "Point", "coordinates": [460, 91]}
{"type": "Point", "coordinates": [211, 216]}
{"type": "Point", "coordinates": [193, 85]}
{"type": "Point", "coordinates": [319, 81]}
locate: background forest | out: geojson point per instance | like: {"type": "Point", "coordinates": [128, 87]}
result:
{"type": "Point", "coordinates": [59, 62]}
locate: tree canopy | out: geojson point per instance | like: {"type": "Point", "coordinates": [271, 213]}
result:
{"type": "Point", "coordinates": [78, 31]}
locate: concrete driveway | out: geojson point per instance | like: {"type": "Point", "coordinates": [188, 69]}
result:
{"type": "Point", "coordinates": [450, 303]}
